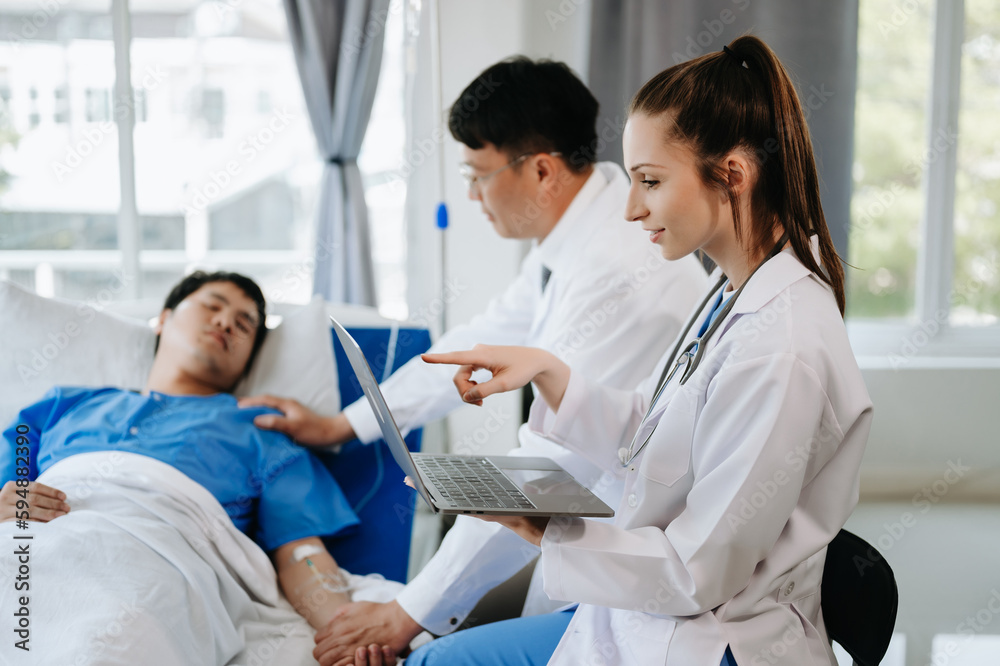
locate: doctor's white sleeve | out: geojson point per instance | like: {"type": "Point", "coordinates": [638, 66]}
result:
{"type": "Point", "coordinates": [420, 392]}
{"type": "Point", "coordinates": [759, 415]}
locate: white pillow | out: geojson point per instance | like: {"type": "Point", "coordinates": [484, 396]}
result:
{"type": "Point", "coordinates": [48, 342]}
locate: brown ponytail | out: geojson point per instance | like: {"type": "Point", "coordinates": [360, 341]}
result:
{"type": "Point", "coordinates": [743, 99]}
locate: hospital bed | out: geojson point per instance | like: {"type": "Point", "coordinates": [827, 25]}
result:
{"type": "Point", "coordinates": [46, 342]}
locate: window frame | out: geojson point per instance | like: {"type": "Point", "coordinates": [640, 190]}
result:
{"type": "Point", "coordinates": [129, 233]}
{"type": "Point", "coordinates": [931, 338]}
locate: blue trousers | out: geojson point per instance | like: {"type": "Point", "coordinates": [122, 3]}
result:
{"type": "Point", "coordinates": [524, 641]}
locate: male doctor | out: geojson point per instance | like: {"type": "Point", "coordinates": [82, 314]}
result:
{"type": "Point", "coordinates": [592, 290]}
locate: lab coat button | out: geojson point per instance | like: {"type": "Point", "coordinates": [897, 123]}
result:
{"type": "Point", "coordinates": [133, 431]}
{"type": "Point", "coordinates": [632, 500]}
{"type": "Point", "coordinates": [789, 588]}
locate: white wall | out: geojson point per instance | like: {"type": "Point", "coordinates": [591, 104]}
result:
{"type": "Point", "coordinates": [931, 416]}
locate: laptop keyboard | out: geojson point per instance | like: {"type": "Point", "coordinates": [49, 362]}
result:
{"type": "Point", "coordinates": [474, 482]}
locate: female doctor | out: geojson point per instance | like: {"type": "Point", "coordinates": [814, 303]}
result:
{"type": "Point", "coordinates": [748, 436]}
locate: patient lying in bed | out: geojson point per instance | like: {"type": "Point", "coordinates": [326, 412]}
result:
{"type": "Point", "coordinates": [136, 529]}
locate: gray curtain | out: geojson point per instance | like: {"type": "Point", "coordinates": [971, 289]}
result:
{"type": "Point", "coordinates": [338, 50]}
{"type": "Point", "coordinates": [631, 40]}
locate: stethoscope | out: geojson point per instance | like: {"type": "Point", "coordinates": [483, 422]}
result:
{"type": "Point", "coordinates": [693, 351]}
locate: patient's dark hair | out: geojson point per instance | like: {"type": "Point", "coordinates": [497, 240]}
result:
{"type": "Point", "coordinates": [198, 279]}
{"type": "Point", "coordinates": [525, 106]}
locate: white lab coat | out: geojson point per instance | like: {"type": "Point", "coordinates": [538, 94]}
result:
{"type": "Point", "coordinates": [612, 304]}
{"type": "Point", "coordinates": [721, 536]}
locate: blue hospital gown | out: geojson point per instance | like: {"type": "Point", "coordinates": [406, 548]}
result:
{"type": "Point", "coordinates": [273, 490]}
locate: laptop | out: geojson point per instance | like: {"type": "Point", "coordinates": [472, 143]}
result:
{"type": "Point", "coordinates": [489, 485]}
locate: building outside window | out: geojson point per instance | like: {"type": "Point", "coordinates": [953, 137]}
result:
{"type": "Point", "coordinates": [225, 164]}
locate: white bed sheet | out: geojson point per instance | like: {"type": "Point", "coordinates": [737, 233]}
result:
{"type": "Point", "coordinates": [148, 569]}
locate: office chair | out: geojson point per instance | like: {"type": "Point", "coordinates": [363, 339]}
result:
{"type": "Point", "coordinates": [859, 598]}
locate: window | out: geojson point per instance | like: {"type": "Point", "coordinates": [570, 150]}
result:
{"type": "Point", "coordinates": [60, 197]}
{"type": "Point", "coordinates": [238, 187]}
{"type": "Point", "coordinates": [220, 180]}
{"type": "Point", "coordinates": [61, 112]}
{"type": "Point", "coordinates": [213, 112]}
{"type": "Point", "coordinates": [8, 137]}
{"type": "Point", "coordinates": [34, 118]}
{"type": "Point", "coordinates": [225, 164]}
{"type": "Point", "coordinates": [890, 133]}
{"type": "Point", "coordinates": [98, 105]}
{"type": "Point", "coordinates": [976, 287]}
{"type": "Point", "coordinates": [925, 234]}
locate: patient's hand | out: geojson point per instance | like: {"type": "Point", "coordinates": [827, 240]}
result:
{"type": "Point", "coordinates": [299, 422]}
{"type": "Point", "coordinates": [364, 623]}
{"type": "Point", "coordinates": [373, 655]}
{"type": "Point", "coordinates": [41, 504]}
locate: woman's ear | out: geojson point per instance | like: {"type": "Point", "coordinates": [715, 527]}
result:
{"type": "Point", "coordinates": [739, 171]}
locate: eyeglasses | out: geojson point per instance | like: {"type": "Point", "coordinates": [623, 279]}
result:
{"type": "Point", "coordinates": [472, 180]}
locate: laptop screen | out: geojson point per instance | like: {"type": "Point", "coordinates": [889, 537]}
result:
{"type": "Point", "coordinates": [390, 432]}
